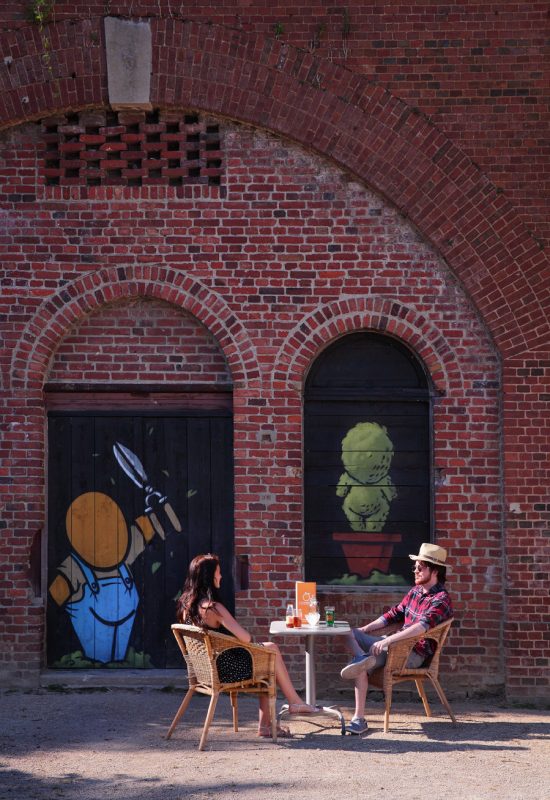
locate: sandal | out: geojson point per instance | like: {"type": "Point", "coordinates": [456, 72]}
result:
{"type": "Point", "coordinates": [303, 708]}
{"type": "Point", "coordinates": [282, 733]}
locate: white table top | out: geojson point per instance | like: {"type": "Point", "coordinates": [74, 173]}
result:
{"type": "Point", "coordinates": [322, 629]}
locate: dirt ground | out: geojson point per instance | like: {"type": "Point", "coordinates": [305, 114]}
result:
{"type": "Point", "coordinates": [95, 744]}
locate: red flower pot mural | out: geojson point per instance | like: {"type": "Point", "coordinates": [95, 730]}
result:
{"type": "Point", "coordinates": [365, 552]}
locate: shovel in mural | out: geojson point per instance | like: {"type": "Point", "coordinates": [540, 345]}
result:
{"type": "Point", "coordinates": [133, 468]}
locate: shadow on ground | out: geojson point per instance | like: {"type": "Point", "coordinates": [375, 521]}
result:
{"type": "Point", "coordinates": [112, 746]}
{"type": "Point", "coordinates": [27, 786]}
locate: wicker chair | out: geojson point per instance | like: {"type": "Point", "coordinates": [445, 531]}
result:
{"type": "Point", "coordinates": [201, 649]}
{"type": "Point", "coordinates": [394, 671]}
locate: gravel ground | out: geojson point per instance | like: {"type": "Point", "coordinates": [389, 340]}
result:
{"type": "Point", "coordinates": [92, 744]}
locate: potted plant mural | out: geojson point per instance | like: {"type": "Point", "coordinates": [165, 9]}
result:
{"type": "Point", "coordinates": [367, 491]}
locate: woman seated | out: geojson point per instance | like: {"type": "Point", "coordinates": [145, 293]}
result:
{"type": "Point", "coordinates": [200, 605]}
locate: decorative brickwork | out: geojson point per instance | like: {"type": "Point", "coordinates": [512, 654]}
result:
{"type": "Point", "coordinates": [365, 130]}
{"type": "Point", "coordinates": [98, 148]}
{"type": "Point", "coordinates": [383, 314]}
{"type": "Point", "coordinates": [139, 342]}
{"type": "Point", "coordinates": [56, 317]}
{"type": "Point", "coordinates": [477, 71]}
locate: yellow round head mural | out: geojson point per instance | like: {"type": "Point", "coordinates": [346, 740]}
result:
{"type": "Point", "coordinates": [97, 530]}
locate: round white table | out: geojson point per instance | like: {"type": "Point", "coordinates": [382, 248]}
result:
{"type": "Point", "coordinates": [310, 633]}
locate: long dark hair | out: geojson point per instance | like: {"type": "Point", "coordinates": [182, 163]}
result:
{"type": "Point", "coordinates": [198, 588]}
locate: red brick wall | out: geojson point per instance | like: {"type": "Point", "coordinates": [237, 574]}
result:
{"type": "Point", "coordinates": [528, 521]}
{"type": "Point", "coordinates": [139, 342]}
{"type": "Point", "coordinates": [462, 159]}
{"type": "Point", "coordinates": [299, 254]}
{"type": "Point", "coordinates": [477, 70]}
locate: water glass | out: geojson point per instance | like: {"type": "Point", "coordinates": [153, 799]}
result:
{"type": "Point", "coordinates": [313, 616]}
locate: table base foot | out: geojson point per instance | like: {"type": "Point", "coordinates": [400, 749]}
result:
{"type": "Point", "coordinates": [329, 711]}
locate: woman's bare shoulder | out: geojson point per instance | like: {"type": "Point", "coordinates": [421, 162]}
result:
{"type": "Point", "coordinates": [212, 612]}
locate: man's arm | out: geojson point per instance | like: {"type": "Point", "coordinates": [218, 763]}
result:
{"type": "Point", "coordinates": [374, 625]}
{"type": "Point", "coordinates": [412, 630]}
{"type": "Point", "coordinates": [394, 614]}
{"type": "Point", "coordinates": [69, 582]}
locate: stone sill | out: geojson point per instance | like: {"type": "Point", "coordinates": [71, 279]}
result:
{"type": "Point", "coordinates": [113, 678]}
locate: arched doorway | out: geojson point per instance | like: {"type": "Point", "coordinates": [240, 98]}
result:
{"type": "Point", "coordinates": [368, 487]}
{"type": "Point", "coordinates": [140, 480]}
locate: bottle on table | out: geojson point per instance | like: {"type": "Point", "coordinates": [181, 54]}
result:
{"type": "Point", "coordinates": [290, 616]}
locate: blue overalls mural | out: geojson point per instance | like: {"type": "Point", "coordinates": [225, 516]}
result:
{"type": "Point", "coordinates": [94, 584]}
{"type": "Point", "coordinates": [133, 496]}
{"type": "Point", "coordinates": [103, 617]}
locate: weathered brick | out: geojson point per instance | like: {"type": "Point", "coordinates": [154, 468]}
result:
{"type": "Point", "coordinates": [273, 282]}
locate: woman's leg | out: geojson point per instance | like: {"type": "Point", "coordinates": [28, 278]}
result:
{"type": "Point", "coordinates": [283, 678]}
{"type": "Point", "coordinates": [264, 719]}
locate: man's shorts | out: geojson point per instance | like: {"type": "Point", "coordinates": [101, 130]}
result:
{"type": "Point", "coordinates": [365, 642]}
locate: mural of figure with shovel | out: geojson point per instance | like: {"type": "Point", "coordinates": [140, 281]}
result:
{"type": "Point", "coordinates": [94, 583]}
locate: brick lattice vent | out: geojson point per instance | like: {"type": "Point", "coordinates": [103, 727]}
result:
{"type": "Point", "coordinates": [98, 148]}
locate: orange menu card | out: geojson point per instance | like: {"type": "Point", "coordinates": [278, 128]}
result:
{"type": "Point", "coordinates": [305, 590]}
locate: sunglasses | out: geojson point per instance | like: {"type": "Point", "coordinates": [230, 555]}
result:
{"type": "Point", "coordinates": [420, 565]}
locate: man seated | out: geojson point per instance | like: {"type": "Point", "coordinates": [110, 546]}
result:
{"type": "Point", "coordinates": [426, 605]}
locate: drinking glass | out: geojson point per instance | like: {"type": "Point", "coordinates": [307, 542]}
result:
{"type": "Point", "coordinates": [329, 616]}
{"type": "Point", "coordinates": [313, 616]}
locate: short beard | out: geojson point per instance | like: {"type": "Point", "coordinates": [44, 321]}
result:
{"type": "Point", "coordinates": [424, 581]}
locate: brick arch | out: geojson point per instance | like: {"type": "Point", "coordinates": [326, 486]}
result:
{"type": "Point", "coordinates": [55, 317]}
{"type": "Point", "coordinates": [361, 127]}
{"type": "Point", "coordinates": [349, 315]}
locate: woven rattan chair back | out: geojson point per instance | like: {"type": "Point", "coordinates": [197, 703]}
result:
{"type": "Point", "coordinates": [200, 649]}
{"type": "Point", "coordinates": [395, 670]}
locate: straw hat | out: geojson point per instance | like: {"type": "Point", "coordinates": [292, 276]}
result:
{"type": "Point", "coordinates": [431, 553]}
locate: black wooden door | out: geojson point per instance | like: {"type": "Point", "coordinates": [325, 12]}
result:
{"type": "Point", "coordinates": [367, 491]}
{"type": "Point", "coordinates": [131, 500]}
{"type": "Point", "coordinates": [367, 423]}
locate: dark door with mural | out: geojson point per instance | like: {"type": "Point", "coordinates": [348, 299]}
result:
{"type": "Point", "coordinates": [367, 422]}
{"type": "Point", "coordinates": [131, 500]}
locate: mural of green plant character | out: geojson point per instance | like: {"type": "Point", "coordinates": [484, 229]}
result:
{"type": "Point", "coordinates": [366, 485]}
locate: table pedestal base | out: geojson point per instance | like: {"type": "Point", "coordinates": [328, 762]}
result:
{"type": "Point", "coordinates": [329, 711]}
{"type": "Point", "coordinates": [340, 628]}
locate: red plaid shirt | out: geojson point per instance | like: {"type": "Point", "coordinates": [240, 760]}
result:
{"type": "Point", "coordinates": [429, 608]}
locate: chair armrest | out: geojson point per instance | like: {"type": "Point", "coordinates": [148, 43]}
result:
{"type": "Point", "coordinates": [399, 652]}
